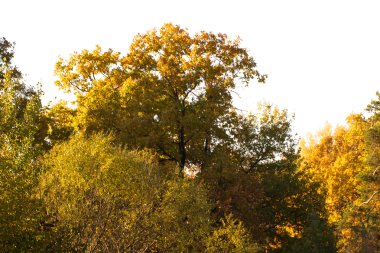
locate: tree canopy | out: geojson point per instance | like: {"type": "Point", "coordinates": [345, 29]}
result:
{"type": "Point", "coordinates": [171, 91]}
{"type": "Point", "coordinates": [153, 156]}
{"type": "Point", "coordinates": [22, 140]}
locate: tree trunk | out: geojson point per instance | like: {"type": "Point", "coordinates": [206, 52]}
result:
{"type": "Point", "coordinates": [182, 151]}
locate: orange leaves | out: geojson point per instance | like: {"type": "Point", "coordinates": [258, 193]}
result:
{"type": "Point", "coordinates": [335, 161]}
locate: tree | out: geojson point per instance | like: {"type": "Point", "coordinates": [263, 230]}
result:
{"type": "Point", "coordinates": [340, 161]}
{"type": "Point", "coordinates": [176, 85]}
{"type": "Point", "coordinates": [6, 67]}
{"type": "Point", "coordinates": [183, 218]}
{"type": "Point", "coordinates": [60, 121]}
{"type": "Point", "coordinates": [255, 177]}
{"type": "Point", "coordinates": [364, 218]}
{"type": "Point", "coordinates": [97, 196]}
{"type": "Point", "coordinates": [373, 146]}
{"type": "Point", "coordinates": [172, 92]}
{"type": "Point", "coordinates": [231, 236]}
{"type": "Point", "coordinates": [100, 197]}
{"type": "Point", "coordinates": [335, 161]}
{"type": "Point", "coordinates": [22, 139]}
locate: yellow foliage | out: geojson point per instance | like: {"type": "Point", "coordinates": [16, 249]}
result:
{"type": "Point", "coordinates": [337, 160]}
{"type": "Point", "coordinates": [230, 237]}
{"type": "Point", "coordinates": [334, 159]}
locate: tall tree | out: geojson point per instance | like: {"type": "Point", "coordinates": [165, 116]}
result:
{"type": "Point", "coordinates": [340, 162]}
{"type": "Point", "coordinates": [335, 161]}
{"type": "Point", "coordinates": [172, 92]}
{"type": "Point", "coordinates": [22, 134]}
{"type": "Point", "coordinates": [255, 177]}
{"type": "Point", "coordinates": [365, 218]}
{"type": "Point", "coordinates": [175, 88]}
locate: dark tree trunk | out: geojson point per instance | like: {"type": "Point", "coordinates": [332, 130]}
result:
{"type": "Point", "coordinates": [182, 151]}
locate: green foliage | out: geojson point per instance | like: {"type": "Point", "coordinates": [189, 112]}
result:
{"type": "Point", "coordinates": [259, 183]}
{"type": "Point", "coordinates": [7, 70]}
{"type": "Point", "coordinates": [231, 236]}
{"type": "Point", "coordinates": [362, 220]}
{"type": "Point", "coordinates": [264, 141]}
{"type": "Point", "coordinates": [22, 133]}
{"type": "Point", "coordinates": [61, 124]}
{"type": "Point", "coordinates": [360, 225]}
{"type": "Point", "coordinates": [108, 181]}
{"type": "Point", "coordinates": [317, 237]}
{"type": "Point", "coordinates": [100, 197]}
{"type": "Point", "coordinates": [184, 217]}
{"type": "Point", "coordinates": [169, 92]}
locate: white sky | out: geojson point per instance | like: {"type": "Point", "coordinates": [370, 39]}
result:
{"type": "Point", "coordinates": [322, 57]}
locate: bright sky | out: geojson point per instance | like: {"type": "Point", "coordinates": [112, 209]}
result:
{"type": "Point", "coordinates": [322, 57]}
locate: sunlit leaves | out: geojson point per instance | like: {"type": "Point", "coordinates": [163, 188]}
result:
{"type": "Point", "coordinates": [101, 197]}
{"type": "Point", "coordinates": [231, 236]}
{"type": "Point", "coordinates": [83, 70]}
{"type": "Point", "coordinates": [340, 161]}
{"type": "Point", "coordinates": [168, 92]}
{"type": "Point", "coordinates": [22, 139]}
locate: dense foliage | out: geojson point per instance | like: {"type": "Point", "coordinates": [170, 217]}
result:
{"type": "Point", "coordinates": [22, 132]}
{"type": "Point", "coordinates": [344, 163]}
{"type": "Point", "coordinates": [154, 157]}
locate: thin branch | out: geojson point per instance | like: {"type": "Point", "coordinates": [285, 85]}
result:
{"type": "Point", "coordinates": [375, 171]}
{"type": "Point", "coordinates": [370, 198]}
{"type": "Point", "coordinates": [103, 229]}
{"type": "Point", "coordinates": [167, 154]}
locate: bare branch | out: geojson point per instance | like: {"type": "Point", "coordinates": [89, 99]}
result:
{"type": "Point", "coordinates": [375, 171]}
{"type": "Point", "coordinates": [370, 198]}
{"type": "Point", "coordinates": [167, 154]}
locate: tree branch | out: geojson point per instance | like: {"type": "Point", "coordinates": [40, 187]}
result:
{"type": "Point", "coordinates": [167, 154]}
{"type": "Point", "coordinates": [375, 171]}
{"type": "Point", "coordinates": [370, 198]}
